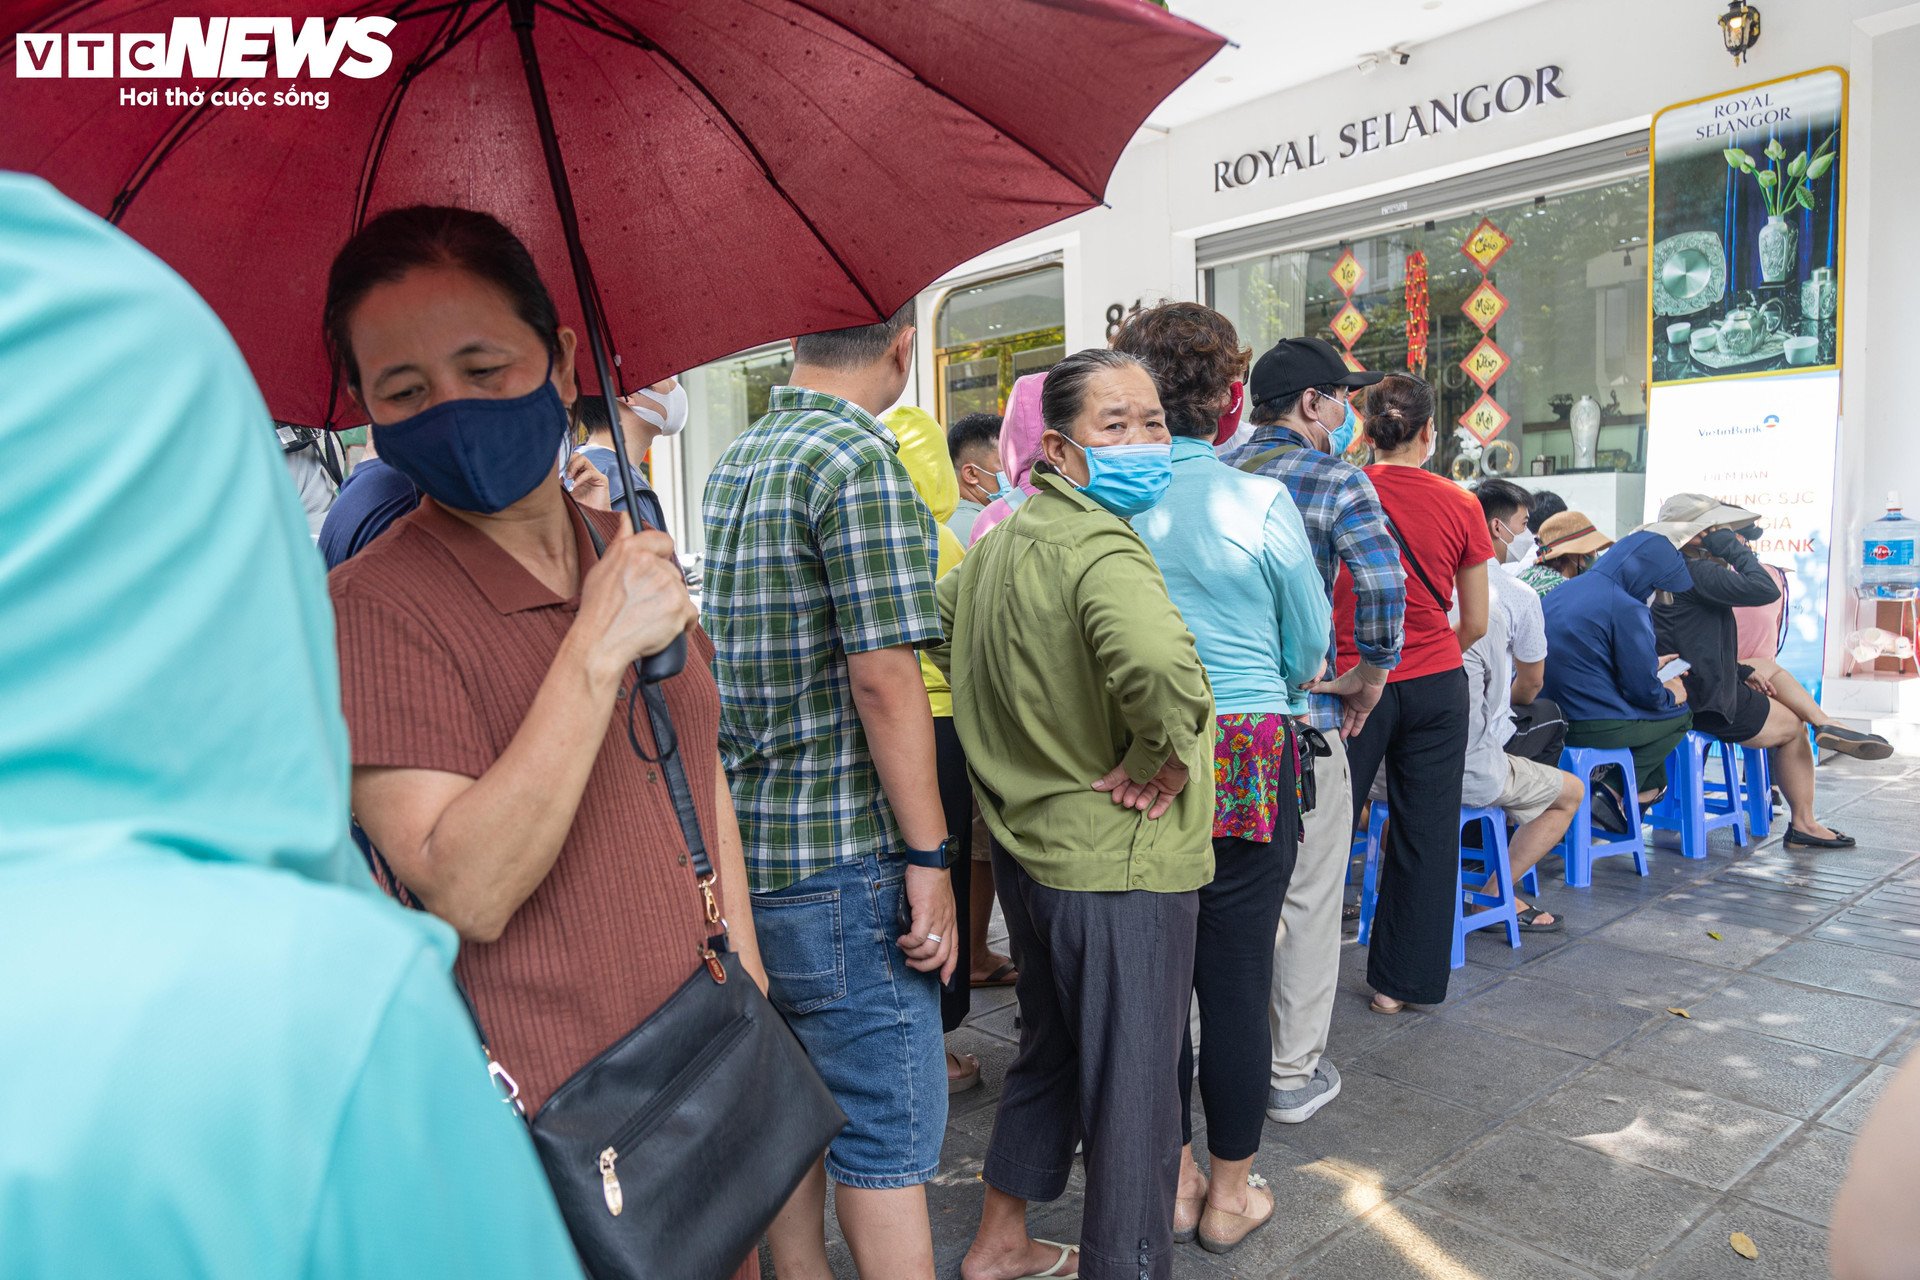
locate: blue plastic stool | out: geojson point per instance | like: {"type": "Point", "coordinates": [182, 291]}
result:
{"type": "Point", "coordinates": [1490, 887]}
{"type": "Point", "coordinates": [1582, 843]}
{"type": "Point", "coordinates": [1756, 779]}
{"type": "Point", "coordinates": [1370, 868]}
{"type": "Point", "coordinates": [1695, 805]}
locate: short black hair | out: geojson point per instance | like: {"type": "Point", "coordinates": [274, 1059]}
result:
{"type": "Point", "coordinates": [854, 348]}
{"type": "Point", "coordinates": [1266, 413]}
{"type": "Point", "coordinates": [974, 431]}
{"type": "Point", "coordinates": [1545, 506]}
{"type": "Point", "coordinates": [590, 414]}
{"type": "Point", "coordinates": [1499, 499]}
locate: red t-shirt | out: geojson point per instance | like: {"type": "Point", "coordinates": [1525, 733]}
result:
{"type": "Point", "coordinates": [1441, 523]}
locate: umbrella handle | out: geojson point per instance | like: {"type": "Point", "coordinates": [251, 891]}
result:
{"type": "Point", "coordinates": [670, 660]}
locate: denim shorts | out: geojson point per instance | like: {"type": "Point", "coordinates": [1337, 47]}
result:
{"type": "Point", "coordinates": [870, 1023]}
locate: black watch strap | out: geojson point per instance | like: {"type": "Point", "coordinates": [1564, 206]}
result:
{"type": "Point", "coordinates": [938, 858]}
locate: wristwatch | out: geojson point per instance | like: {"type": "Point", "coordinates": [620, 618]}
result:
{"type": "Point", "coordinates": [938, 858]}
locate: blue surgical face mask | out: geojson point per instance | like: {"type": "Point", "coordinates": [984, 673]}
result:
{"type": "Point", "coordinates": [1127, 479]}
{"type": "Point", "coordinates": [479, 455]}
{"type": "Point", "coordinates": [1342, 436]}
{"type": "Point", "coordinates": [1006, 492]}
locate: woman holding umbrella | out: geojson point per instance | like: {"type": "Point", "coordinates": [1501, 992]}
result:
{"type": "Point", "coordinates": [483, 654]}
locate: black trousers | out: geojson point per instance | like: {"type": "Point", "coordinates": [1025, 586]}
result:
{"type": "Point", "coordinates": [1105, 980]}
{"type": "Point", "coordinates": [1539, 731]}
{"type": "Point", "coordinates": [956, 797]}
{"type": "Point", "coordinates": [1232, 976]}
{"type": "Point", "coordinates": [1419, 731]}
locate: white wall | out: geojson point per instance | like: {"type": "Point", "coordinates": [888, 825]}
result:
{"type": "Point", "coordinates": [1877, 449]}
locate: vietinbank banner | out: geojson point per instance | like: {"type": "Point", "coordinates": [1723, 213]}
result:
{"type": "Point", "coordinates": [1747, 225]}
{"type": "Point", "coordinates": [1766, 444]}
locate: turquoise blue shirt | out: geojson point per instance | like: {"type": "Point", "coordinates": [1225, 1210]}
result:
{"type": "Point", "coordinates": [223, 1055]}
{"type": "Point", "coordinates": [1240, 570]}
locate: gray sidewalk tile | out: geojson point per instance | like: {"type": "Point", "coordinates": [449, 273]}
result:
{"type": "Point", "coordinates": [1849, 969]}
{"type": "Point", "coordinates": [1575, 1203]}
{"type": "Point", "coordinates": [1473, 1067]}
{"type": "Point", "coordinates": [1791, 1079]}
{"type": "Point", "coordinates": [1826, 1019]}
{"type": "Point", "coordinates": [1789, 1250]}
{"type": "Point", "coordinates": [1670, 933]}
{"type": "Point", "coordinates": [1382, 1133]}
{"type": "Point", "coordinates": [1685, 1132]}
{"type": "Point", "coordinates": [1851, 1111]}
{"type": "Point", "coordinates": [1405, 1240]}
{"type": "Point", "coordinates": [1549, 1014]}
{"type": "Point", "coordinates": [1802, 1177]}
{"type": "Point", "coordinates": [1628, 976]}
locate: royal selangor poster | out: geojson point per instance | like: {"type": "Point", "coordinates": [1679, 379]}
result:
{"type": "Point", "coordinates": [1748, 217]}
{"type": "Point", "coordinates": [1749, 210]}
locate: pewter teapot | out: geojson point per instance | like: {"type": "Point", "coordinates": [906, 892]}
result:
{"type": "Point", "coordinates": [1741, 331]}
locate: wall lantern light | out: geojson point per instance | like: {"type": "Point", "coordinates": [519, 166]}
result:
{"type": "Point", "coordinates": [1740, 28]}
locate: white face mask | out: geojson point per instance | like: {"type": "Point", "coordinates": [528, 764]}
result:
{"type": "Point", "coordinates": [1519, 545]}
{"type": "Point", "coordinates": [669, 417]}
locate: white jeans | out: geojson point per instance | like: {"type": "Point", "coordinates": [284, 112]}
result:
{"type": "Point", "coordinates": [1306, 949]}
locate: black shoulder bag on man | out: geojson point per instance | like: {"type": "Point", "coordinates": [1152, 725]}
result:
{"type": "Point", "coordinates": [672, 1151]}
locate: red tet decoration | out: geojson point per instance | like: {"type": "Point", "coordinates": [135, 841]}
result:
{"type": "Point", "coordinates": [1416, 295]}
{"type": "Point", "coordinates": [1348, 323]}
{"type": "Point", "coordinates": [1485, 245]}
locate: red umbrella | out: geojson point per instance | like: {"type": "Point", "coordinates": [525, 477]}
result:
{"type": "Point", "coordinates": [736, 171]}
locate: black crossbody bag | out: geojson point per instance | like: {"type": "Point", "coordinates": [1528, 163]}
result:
{"type": "Point", "coordinates": [672, 1151]}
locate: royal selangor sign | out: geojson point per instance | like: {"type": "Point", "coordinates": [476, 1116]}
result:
{"type": "Point", "coordinates": [1476, 105]}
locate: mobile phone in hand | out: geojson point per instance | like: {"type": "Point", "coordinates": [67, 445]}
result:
{"type": "Point", "coordinates": [1678, 667]}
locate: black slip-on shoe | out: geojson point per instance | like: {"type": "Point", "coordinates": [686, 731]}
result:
{"type": "Point", "coordinates": [1797, 839]}
{"type": "Point", "coordinates": [1851, 742]}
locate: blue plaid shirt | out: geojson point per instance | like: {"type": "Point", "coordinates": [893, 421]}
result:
{"type": "Point", "coordinates": [1345, 525]}
{"type": "Point", "coordinates": [818, 547]}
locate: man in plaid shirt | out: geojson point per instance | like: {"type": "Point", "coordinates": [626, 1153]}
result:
{"type": "Point", "coordinates": [1298, 396]}
{"type": "Point", "coordinates": [819, 590]}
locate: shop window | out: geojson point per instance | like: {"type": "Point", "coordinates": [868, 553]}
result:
{"type": "Point", "coordinates": [1573, 279]}
{"type": "Point", "coordinates": [985, 336]}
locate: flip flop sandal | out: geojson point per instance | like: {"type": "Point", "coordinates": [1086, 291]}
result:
{"type": "Point", "coordinates": [1185, 1235]}
{"type": "Point", "coordinates": [1004, 976]}
{"type": "Point", "coordinates": [1054, 1272]}
{"type": "Point", "coordinates": [1528, 921]}
{"type": "Point", "coordinates": [1394, 1010]}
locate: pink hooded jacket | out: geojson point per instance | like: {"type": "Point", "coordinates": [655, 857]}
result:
{"type": "Point", "coordinates": [1020, 432]}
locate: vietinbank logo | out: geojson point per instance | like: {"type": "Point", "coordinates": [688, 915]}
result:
{"type": "Point", "coordinates": [212, 49]}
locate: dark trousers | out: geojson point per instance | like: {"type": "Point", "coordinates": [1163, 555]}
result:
{"type": "Point", "coordinates": [1232, 974]}
{"type": "Point", "coordinates": [1420, 731]}
{"type": "Point", "coordinates": [956, 797]}
{"type": "Point", "coordinates": [1105, 979]}
{"type": "Point", "coordinates": [1539, 731]}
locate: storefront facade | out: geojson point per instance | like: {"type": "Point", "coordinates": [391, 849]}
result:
{"type": "Point", "coordinates": [1535, 125]}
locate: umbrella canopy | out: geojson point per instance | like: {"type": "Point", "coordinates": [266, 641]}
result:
{"type": "Point", "coordinates": [743, 170]}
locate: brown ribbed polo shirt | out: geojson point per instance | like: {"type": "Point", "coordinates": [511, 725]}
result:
{"type": "Point", "coordinates": [444, 641]}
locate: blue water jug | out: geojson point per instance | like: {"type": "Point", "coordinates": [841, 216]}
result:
{"type": "Point", "coordinates": [1889, 568]}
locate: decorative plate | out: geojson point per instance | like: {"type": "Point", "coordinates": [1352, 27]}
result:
{"type": "Point", "coordinates": [1689, 273]}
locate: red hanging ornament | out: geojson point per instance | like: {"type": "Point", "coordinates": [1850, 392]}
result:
{"type": "Point", "coordinates": [1415, 293]}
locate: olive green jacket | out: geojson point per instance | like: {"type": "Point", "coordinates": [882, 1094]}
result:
{"type": "Point", "coordinates": [1067, 658]}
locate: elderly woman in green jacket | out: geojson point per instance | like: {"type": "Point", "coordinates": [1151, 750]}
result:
{"type": "Point", "coordinates": [1084, 711]}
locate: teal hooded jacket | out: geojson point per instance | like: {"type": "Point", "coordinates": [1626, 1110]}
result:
{"type": "Point", "coordinates": [222, 1054]}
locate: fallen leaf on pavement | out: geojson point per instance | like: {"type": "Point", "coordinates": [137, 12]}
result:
{"type": "Point", "coordinates": [1716, 937]}
{"type": "Point", "coordinates": [1679, 1013]}
{"type": "Point", "coordinates": [1743, 1245]}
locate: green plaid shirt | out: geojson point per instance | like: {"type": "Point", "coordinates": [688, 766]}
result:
{"type": "Point", "coordinates": [817, 547]}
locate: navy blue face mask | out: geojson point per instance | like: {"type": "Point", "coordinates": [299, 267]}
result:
{"type": "Point", "coordinates": [479, 455]}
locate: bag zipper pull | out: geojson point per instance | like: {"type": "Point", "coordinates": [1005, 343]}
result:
{"type": "Point", "coordinates": [610, 1183]}
{"type": "Point", "coordinates": [712, 958]}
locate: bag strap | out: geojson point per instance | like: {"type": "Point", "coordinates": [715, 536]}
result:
{"type": "Point", "coordinates": [667, 743]}
{"type": "Point", "coordinates": [1252, 465]}
{"type": "Point", "coordinates": [1413, 562]}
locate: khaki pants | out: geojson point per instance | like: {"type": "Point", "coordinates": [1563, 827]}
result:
{"type": "Point", "coordinates": [1306, 949]}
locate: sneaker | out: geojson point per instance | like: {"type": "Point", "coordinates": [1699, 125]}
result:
{"type": "Point", "coordinates": [1291, 1106]}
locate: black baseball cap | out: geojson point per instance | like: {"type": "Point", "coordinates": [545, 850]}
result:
{"type": "Point", "coordinates": [1296, 364]}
